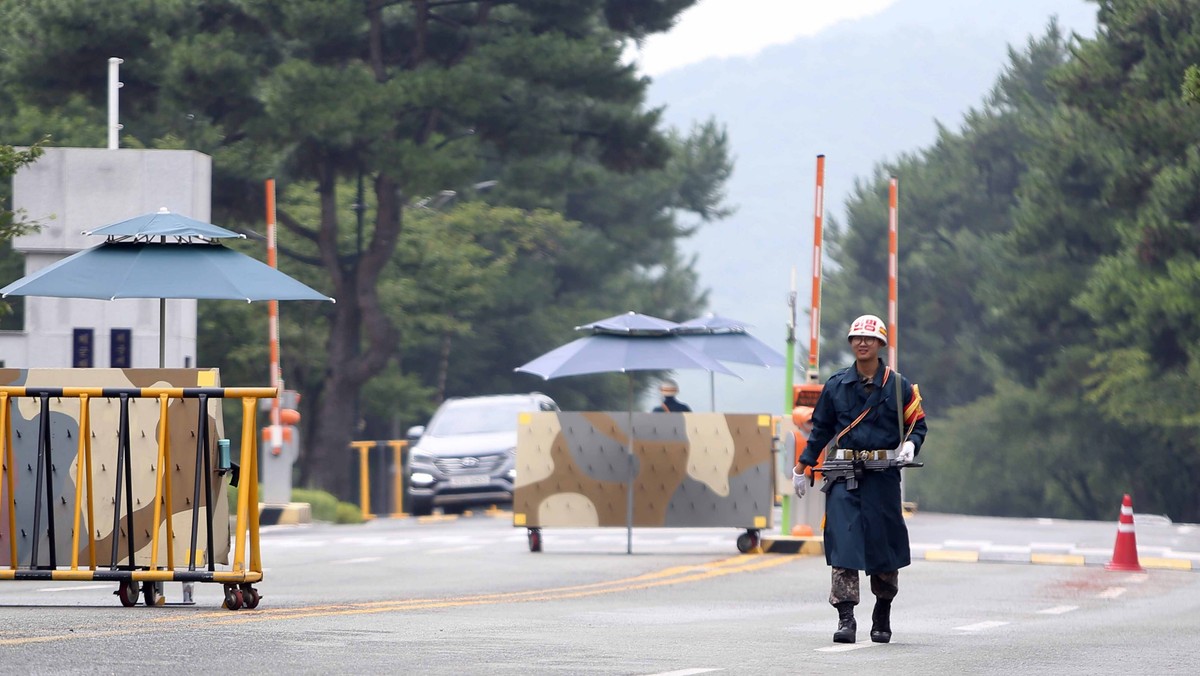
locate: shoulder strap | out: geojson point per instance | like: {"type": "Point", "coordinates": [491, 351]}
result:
{"type": "Point", "coordinates": [875, 398]}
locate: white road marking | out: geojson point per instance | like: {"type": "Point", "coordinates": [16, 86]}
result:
{"type": "Point", "coordinates": [447, 550]}
{"type": "Point", "coordinates": [1137, 578]}
{"type": "Point", "coordinates": [365, 559]}
{"type": "Point", "coordinates": [1111, 593]}
{"type": "Point", "coordinates": [685, 672]}
{"type": "Point", "coordinates": [1008, 549]}
{"type": "Point", "coordinates": [844, 647]}
{"type": "Point", "coordinates": [1065, 546]}
{"type": "Point", "coordinates": [77, 587]}
{"type": "Point", "coordinates": [980, 626]}
{"type": "Point", "coordinates": [1058, 610]}
{"type": "Point", "coordinates": [296, 543]}
{"type": "Point", "coordinates": [968, 544]}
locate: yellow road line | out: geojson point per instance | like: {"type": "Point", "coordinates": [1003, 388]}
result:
{"type": "Point", "coordinates": [24, 640]}
{"type": "Point", "coordinates": [668, 576]}
{"type": "Point", "coordinates": [630, 584]}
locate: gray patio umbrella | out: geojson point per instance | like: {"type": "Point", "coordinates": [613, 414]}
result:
{"type": "Point", "coordinates": [138, 261]}
{"type": "Point", "coordinates": [624, 343]}
{"type": "Point", "coordinates": [607, 353]}
{"type": "Point", "coordinates": [728, 341]}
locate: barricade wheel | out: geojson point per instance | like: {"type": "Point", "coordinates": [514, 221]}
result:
{"type": "Point", "coordinates": [149, 594]}
{"type": "Point", "coordinates": [535, 540]}
{"type": "Point", "coordinates": [250, 597]}
{"type": "Point", "coordinates": [127, 591]}
{"type": "Point", "coordinates": [233, 598]}
{"type": "Point", "coordinates": [747, 541]}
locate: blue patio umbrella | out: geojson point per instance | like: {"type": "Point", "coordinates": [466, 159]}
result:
{"type": "Point", "coordinates": [621, 344]}
{"type": "Point", "coordinates": [631, 323]}
{"type": "Point", "coordinates": [116, 270]}
{"type": "Point", "coordinates": [163, 223]}
{"type": "Point", "coordinates": [712, 322]}
{"type": "Point", "coordinates": [728, 341]}
{"type": "Point", "coordinates": [132, 267]}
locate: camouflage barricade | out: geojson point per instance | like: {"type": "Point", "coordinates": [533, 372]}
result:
{"type": "Point", "coordinates": [689, 469]}
{"type": "Point", "coordinates": [109, 524]}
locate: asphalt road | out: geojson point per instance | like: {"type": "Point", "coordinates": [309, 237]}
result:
{"type": "Point", "coordinates": [466, 596]}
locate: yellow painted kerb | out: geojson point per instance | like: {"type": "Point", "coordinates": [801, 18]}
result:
{"type": "Point", "coordinates": [955, 555]}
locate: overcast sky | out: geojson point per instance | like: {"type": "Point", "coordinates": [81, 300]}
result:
{"type": "Point", "coordinates": [722, 28]}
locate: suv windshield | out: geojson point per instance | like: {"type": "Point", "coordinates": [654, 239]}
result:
{"type": "Point", "coordinates": [476, 417]}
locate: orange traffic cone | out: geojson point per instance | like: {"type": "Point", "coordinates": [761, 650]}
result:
{"type": "Point", "coordinates": [1125, 556]}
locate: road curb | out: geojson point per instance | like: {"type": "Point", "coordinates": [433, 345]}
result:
{"type": "Point", "coordinates": [1047, 558]}
{"type": "Point", "coordinates": [815, 546]}
{"type": "Point", "coordinates": [291, 513]}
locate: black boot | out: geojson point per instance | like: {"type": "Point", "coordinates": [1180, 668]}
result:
{"type": "Point", "coordinates": [847, 627]}
{"type": "Point", "coordinates": [881, 621]}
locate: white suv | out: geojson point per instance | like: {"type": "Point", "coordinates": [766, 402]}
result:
{"type": "Point", "coordinates": [466, 456]}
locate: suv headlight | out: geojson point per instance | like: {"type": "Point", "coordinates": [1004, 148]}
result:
{"type": "Point", "coordinates": [420, 458]}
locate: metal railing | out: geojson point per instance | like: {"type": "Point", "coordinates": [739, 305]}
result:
{"type": "Point", "coordinates": [398, 484]}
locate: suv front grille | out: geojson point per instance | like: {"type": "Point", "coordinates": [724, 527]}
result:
{"type": "Point", "coordinates": [485, 464]}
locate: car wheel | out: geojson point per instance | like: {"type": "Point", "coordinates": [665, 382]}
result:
{"type": "Point", "coordinates": [420, 506]}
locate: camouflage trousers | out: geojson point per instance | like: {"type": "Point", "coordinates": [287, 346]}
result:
{"type": "Point", "coordinates": [845, 585]}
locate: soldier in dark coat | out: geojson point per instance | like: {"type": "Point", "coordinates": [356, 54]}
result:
{"type": "Point", "coordinates": [864, 528]}
{"type": "Point", "coordinates": [669, 388]}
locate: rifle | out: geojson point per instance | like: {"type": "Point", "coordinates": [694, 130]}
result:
{"type": "Point", "coordinates": [853, 470]}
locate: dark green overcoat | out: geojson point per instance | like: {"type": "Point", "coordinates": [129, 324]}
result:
{"type": "Point", "coordinates": [864, 528]}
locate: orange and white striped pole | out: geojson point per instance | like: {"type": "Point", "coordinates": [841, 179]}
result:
{"type": "Point", "coordinates": [814, 317]}
{"type": "Point", "coordinates": [893, 308]}
{"type": "Point", "coordinates": [276, 436]}
{"type": "Point", "coordinates": [893, 265]}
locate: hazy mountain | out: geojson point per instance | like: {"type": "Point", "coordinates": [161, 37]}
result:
{"type": "Point", "coordinates": [860, 92]}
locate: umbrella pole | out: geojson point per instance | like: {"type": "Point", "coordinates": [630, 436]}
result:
{"type": "Point", "coordinates": [712, 391]}
{"type": "Point", "coordinates": [632, 467]}
{"type": "Point", "coordinates": [162, 331]}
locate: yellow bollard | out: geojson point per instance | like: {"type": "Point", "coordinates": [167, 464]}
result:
{"type": "Point", "coordinates": [398, 483]}
{"type": "Point", "coordinates": [364, 476]}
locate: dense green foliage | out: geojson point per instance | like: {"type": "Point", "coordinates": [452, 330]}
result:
{"type": "Point", "coordinates": [513, 183]}
{"type": "Point", "coordinates": [514, 186]}
{"type": "Point", "coordinates": [13, 223]}
{"type": "Point", "coordinates": [1050, 281]}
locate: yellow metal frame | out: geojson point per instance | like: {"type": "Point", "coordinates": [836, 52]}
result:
{"type": "Point", "coordinates": [247, 524]}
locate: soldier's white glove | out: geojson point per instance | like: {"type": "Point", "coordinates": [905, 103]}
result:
{"type": "Point", "coordinates": [799, 483]}
{"type": "Point", "coordinates": [907, 452]}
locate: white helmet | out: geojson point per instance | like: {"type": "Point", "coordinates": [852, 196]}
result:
{"type": "Point", "coordinates": [869, 325]}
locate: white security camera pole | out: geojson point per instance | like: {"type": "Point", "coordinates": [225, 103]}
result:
{"type": "Point", "coordinates": [114, 86]}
